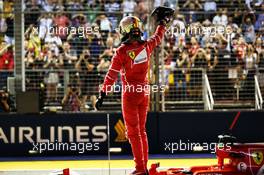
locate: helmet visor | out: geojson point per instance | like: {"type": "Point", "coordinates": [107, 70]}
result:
{"type": "Point", "coordinates": [129, 23]}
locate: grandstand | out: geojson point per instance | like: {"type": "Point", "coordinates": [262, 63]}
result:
{"type": "Point", "coordinates": [201, 71]}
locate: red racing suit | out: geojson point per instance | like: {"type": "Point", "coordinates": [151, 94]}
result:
{"type": "Point", "coordinates": [132, 59]}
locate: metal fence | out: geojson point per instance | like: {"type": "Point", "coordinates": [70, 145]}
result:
{"type": "Point", "coordinates": [55, 84]}
{"type": "Point", "coordinates": [66, 47]}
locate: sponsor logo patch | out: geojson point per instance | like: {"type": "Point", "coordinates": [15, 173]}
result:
{"type": "Point", "coordinates": [141, 57]}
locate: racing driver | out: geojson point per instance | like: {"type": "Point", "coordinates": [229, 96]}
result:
{"type": "Point", "coordinates": [132, 60]}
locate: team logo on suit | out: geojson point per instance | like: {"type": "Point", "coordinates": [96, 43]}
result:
{"type": "Point", "coordinates": [132, 55]}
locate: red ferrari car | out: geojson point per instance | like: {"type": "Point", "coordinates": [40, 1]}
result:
{"type": "Point", "coordinates": [234, 159]}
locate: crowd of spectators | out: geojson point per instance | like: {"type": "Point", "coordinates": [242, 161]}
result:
{"type": "Point", "coordinates": [86, 55]}
{"type": "Point", "coordinates": [50, 50]}
{"type": "Point", "coordinates": [230, 55]}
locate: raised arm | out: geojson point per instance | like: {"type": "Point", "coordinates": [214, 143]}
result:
{"type": "Point", "coordinates": [156, 39]}
{"type": "Point", "coordinates": [163, 17]}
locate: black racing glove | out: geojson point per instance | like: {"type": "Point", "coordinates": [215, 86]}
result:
{"type": "Point", "coordinates": [163, 15]}
{"type": "Point", "coordinates": [100, 100]}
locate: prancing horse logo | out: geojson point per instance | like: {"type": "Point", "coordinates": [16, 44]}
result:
{"type": "Point", "coordinates": [257, 157]}
{"type": "Point", "coordinates": [132, 55]}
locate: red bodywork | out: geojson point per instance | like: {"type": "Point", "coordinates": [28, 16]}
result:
{"type": "Point", "coordinates": [238, 159]}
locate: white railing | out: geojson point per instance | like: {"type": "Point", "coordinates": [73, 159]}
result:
{"type": "Point", "coordinates": [185, 89]}
{"type": "Point", "coordinates": [258, 96]}
{"type": "Point", "coordinates": [208, 97]}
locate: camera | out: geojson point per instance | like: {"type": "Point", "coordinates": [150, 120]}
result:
{"type": "Point", "coordinates": [86, 56]}
{"type": "Point", "coordinates": [3, 96]}
{"type": "Point", "coordinates": [74, 89]}
{"type": "Point", "coordinates": [74, 86]}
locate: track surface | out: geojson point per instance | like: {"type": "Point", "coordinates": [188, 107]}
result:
{"type": "Point", "coordinates": [97, 164]}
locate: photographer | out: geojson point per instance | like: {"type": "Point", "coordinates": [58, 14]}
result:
{"type": "Point", "coordinates": [88, 77]}
{"type": "Point", "coordinates": [71, 100]}
{"type": "Point", "coordinates": [5, 101]}
{"type": "Point", "coordinates": [52, 62]}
